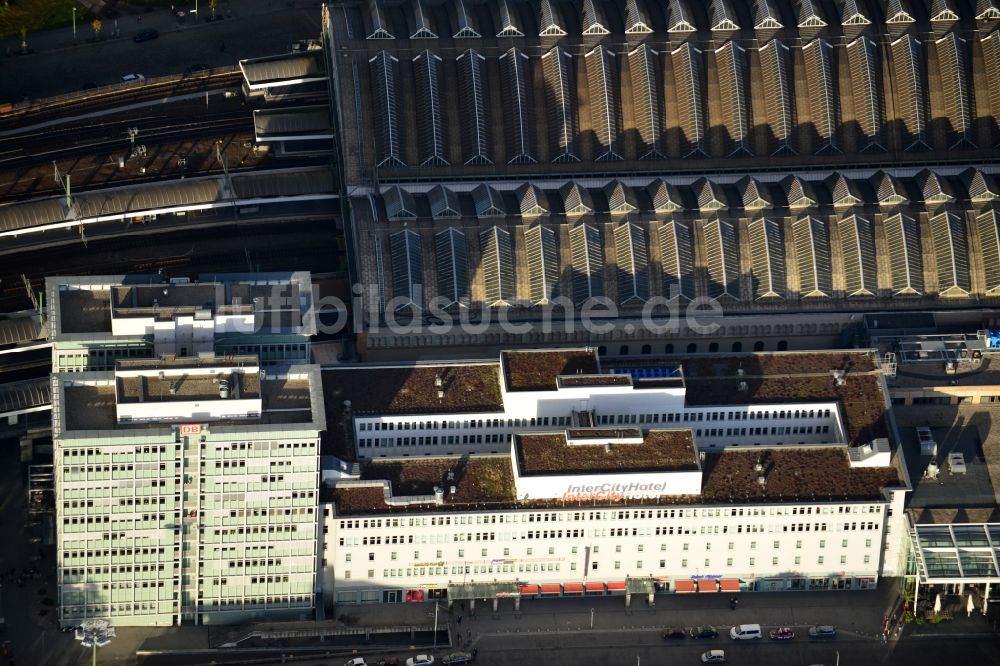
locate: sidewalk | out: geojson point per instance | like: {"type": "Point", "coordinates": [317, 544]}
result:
{"type": "Point", "coordinates": [134, 19]}
{"type": "Point", "coordinates": [858, 614]}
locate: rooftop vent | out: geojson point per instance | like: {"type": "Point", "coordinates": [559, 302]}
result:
{"type": "Point", "coordinates": [740, 372]}
{"type": "Point", "coordinates": [438, 494]}
{"type": "Point", "coordinates": [440, 395]}
{"type": "Point", "coordinates": [839, 377]}
{"type": "Point", "coordinates": [743, 387]}
{"type": "Point", "coordinates": [437, 382]}
{"type": "Point", "coordinates": [761, 481]}
{"type": "Point", "coordinates": [451, 475]}
{"type": "Point", "coordinates": [758, 468]}
{"type": "Point", "coordinates": [223, 389]}
{"type": "Point", "coordinates": [451, 490]}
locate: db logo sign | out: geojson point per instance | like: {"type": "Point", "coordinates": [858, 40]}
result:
{"type": "Point", "coordinates": [191, 429]}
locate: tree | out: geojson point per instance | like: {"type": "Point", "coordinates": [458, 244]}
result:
{"type": "Point", "coordinates": [97, 24]}
{"type": "Point", "coordinates": [211, 5]}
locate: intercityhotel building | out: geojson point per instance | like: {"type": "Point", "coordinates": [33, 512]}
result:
{"type": "Point", "coordinates": [186, 454]}
{"type": "Point", "coordinates": [556, 472]}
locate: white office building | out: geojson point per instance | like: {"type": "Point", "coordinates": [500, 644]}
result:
{"type": "Point", "coordinates": [186, 474]}
{"type": "Point", "coordinates": [551, 474]}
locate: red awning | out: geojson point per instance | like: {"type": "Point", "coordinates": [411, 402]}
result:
{"type": "Point", "coordinates": [708, 585]}
{"type": "Point", "coordinates": [616, 587]}
{"type": "Point", "coordinates": [572, 588]}
{"type": "Point", "coordinates": [730, 584]}
{"type": "Point", "coordinates": [683, 585]}
{"type": "Point", "coordinates": [551, 588]}
{"type": "Point", "coordinates": [595, 587]}
{"type": "Point", "coordinates": [529, 589]}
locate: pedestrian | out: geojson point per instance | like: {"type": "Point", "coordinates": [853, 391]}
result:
{"type": "Point", "coordinates": [460, 619]}
{"type": "Point", "coordinates": [475, 651]}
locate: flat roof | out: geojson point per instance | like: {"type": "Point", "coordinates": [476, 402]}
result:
{"type": "Point", "coordinates": [92, 407]}
{"type": "Point", "coordinates": [536, 370]}
{"type": "Point", "coordinates": [795, 377]}
{"type": "Point", "coordinates": [85, 310]}
{"type": "Point", "coordinates": [187, 387]}
{"type": "Point", "coordinates": [414, 389]}
{"type": "Point", "coordinates": [821, 473]}
{"type": "Point", "coordinates": [931, 374]}
{"type": "Point", "coordinates": [540, 454]}
{"type": "Point", "coordinates": [275, 302]}
{"type": "Point", "coordinates": [967, 430]}
{"type": "Point", "coordinates": [803, 474]}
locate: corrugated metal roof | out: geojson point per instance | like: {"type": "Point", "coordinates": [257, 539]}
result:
{"type": "Point", "coordinates": [19, 329]}
{"type": "Point", "coordinates": [110, 202]}
{"type": "Point", "coordinates": [284, 183]}
{"type": "Point", "coordinates": [284, 67]}
{"type": "Point", "coordinates": [24, 395]}
{"type": "Point", "coordinates": [305, 120]}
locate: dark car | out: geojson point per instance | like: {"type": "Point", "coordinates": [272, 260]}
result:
{"type": "Point", "coordinates": [704, 632]}
{"type": "Point", "coordinates": [200, 67]}
{"type": "Point", "coordinates": [457, 658]}
{"type": "Point", "coordinates": [822, 631]}
{"type": "Point", "coordinates": [782, 634]}
{"type": "Point", "coordinates": [146, 36]}
{"type": "Point", "coordinates": [89, 85]}
{"type": "Point", "coordinates": [671, 633]}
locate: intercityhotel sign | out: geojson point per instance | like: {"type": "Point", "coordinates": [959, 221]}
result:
{"type": "Point", "coordinates": [614, 492]}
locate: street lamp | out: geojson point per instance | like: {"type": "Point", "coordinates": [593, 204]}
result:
{"type": "Point", "coordinates": [94, 634]}
{"type": "Point", "coordinates": [74, 25]}
{"type": "Point", "coordinates": [591, 618]}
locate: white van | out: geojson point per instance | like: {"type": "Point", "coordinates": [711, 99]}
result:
{"type": "Point", "coordinates": [745, 632]}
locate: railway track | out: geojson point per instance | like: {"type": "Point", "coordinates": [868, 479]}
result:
{"type": "Point", "coordinates": [108, 97]}
{"type": "Point", "coordinates": [44, 147]}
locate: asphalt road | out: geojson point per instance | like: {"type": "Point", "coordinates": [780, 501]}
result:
{"type": "Point", "coordinates": [647, 648]}
{"type": "Point", "coordinates": [54, 72]}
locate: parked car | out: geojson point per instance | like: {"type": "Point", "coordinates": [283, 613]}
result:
{"type": "Point", "coordinates": [704, 632]}
{"type": "Point", "coordinates": [673, 632]}
{"type": "Point", "coordinates": [457, 658]}
{"type": "Point", "coordinates": [357, 661]}
{"type": "Point", "coordinates": [387, 661]}
{"type": "Point", "coordinates": [822, 631]}
{"type": "Point", "coordinates": [745, 632]}
{"type": "Point", "coordinates": [131, 78]}
{"type": "Point", "coordinates": [420, 660]}
{"type": "Point", "coordinates": [782, 634]}
{"type": "Point", "coordinates": [713, 657]}
{"type": "Point", "coordinates": [145, 36]}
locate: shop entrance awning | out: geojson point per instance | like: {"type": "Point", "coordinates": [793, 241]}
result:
{"type": "Point", "coordinates": [708, 585]}
{"type": "Point", "coordinates": [616, 586]}
{"type": "Point", "coordinates": [457, 591]}
{"type": "Point", "coordinates": [683, 585]}
{"type": "Point", "coordinates": [729, 585]}
{"type": "Point", "coordinates": [595, 587]}
{"type": "Point", "coordinates": [572, 588]}
{"type": "Point", "coordinates": [529, 589]}
{"type": "Point", "coordinates": [641, 586]}
{"type": "Point", "coordinates": [551, 588]}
